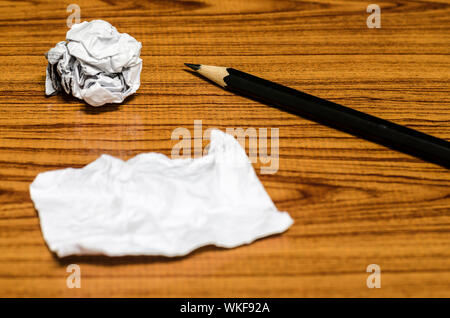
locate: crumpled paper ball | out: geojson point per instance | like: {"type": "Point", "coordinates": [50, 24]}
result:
{"type": "Point", "coordinates": [96, 63]}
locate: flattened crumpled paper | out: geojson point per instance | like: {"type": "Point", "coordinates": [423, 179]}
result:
{"type": "Point", "coordinates": [153, 205]}
{"type": "Point", "coordinates": [96, 63]}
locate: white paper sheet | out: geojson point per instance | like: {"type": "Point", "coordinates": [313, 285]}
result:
{"type": "Point", "coordinates": [96, 63]}
{"type": "Point", "coordinates": [152, 205]}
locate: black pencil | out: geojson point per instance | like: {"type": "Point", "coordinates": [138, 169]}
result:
{"type": "Point", "coordinates": [326, 112]}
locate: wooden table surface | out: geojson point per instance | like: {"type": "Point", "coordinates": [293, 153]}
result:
{"type": "Point", "coordinates": [354, 202]}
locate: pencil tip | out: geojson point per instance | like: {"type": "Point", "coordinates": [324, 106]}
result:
{"type": "Point", "coordinates": [195, 67]}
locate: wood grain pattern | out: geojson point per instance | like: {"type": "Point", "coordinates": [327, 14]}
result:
{"type": "Point", "coordinates": [354, 202]}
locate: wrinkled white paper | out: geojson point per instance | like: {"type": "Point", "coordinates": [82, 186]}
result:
{"type": "Point", "coordinates": [96, 63]}
{"type": "Point", "coordinates": [153, 205]}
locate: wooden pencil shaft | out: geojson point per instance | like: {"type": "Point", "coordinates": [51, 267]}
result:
{"type": "Point", "coordinates": [376, 129]}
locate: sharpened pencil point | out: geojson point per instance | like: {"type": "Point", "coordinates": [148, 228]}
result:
{"type": "Point", "coordinates": [195, 67]}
